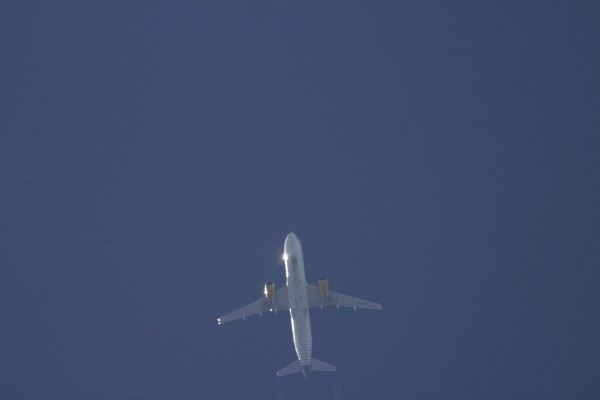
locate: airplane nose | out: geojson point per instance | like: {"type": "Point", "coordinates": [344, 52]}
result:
{"type": "Point", "coordinates": [291, 237]}
{"type": "Point", "coordinates": [291, 243]}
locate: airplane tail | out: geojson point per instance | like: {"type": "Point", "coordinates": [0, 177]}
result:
{"type": "Point", "coordinates": [315, 365]}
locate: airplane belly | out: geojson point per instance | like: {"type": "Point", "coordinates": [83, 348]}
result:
{"type": "Point", "coordinates": [296, 283]}
{"type": "Point", "coordinates": [302, 334]}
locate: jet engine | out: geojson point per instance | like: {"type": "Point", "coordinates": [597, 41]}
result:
{"type": "Point", "coordinates": [270, 292]}
{"type": "Point", "coordinates": [324, 287]}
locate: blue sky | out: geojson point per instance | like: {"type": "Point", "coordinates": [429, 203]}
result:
{"type": "Point", "coordinates": [440, 158]}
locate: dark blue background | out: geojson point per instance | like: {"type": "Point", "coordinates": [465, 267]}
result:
{"type": "Point", "coordinates": [440, 158]}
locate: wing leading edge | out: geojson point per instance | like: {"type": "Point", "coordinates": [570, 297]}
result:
{"type": "Point", "coordinates": [259, 306]}
{"type": "Point", "coordinates": [338, 299]}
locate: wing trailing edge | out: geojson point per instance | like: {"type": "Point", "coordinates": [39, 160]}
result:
{"type": "Point", "coordinates": [315, 299]}
{"type": "Point", "coordinates": [282, 302]}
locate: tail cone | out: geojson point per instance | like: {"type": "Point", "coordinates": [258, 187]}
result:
{"type": "Point", "coordinates": [306, 371]}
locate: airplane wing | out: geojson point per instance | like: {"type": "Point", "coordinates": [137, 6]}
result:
{"type": "Point", "coordinates": [337, 299]}
{"type": "Point", "coordinates": [259, 306]}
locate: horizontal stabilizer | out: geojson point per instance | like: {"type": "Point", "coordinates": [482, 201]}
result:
{"type": "Point", "coordinates": [296, 367]}
{"type": "Point", "coordinates": [293, 368]}
{"type": "Point", "coordinates": [321, 366]}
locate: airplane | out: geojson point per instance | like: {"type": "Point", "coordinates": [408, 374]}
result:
{"type": "Point", "coordinates": [297, 296]}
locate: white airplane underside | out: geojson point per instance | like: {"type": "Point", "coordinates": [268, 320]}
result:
{"type": "Point", "coordinates": [298, 297]}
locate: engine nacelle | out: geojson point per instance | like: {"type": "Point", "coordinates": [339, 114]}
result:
{"type": "Point", "coordinates": [324, 287]}
{"type": "Point", "coordinates": [270, 292]}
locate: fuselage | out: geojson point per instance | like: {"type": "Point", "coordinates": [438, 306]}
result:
{"type": "Point", "coordinates": [299, 312]}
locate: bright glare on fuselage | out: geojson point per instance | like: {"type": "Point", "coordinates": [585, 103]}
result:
{"type": "Point", "coordinates": [285, 257]}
